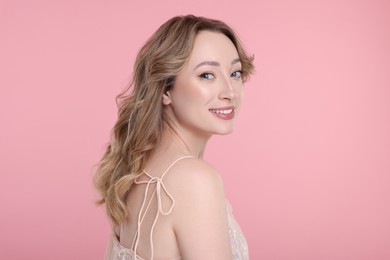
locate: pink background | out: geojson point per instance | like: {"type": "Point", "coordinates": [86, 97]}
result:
{"type": "Point", "coordinates": [307, 170]}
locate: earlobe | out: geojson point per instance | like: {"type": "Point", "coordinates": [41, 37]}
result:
{"type": "Point", "coordinates": [166, 98]}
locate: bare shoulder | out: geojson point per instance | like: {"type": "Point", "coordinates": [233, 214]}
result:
{"type": "Point", "coordinates": [193, 176]}
{"type": "Point", "coordinates": [200, 209]}
{"type": "Point", "coordinates": [195, 183]}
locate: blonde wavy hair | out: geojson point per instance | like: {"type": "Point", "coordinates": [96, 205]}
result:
{"type": "Point", "coordinates": [140, 109]}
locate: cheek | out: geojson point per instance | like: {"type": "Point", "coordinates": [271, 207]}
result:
{"type": "Point", "coordinates": [192, 91]}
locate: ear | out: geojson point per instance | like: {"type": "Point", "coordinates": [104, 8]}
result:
{"type": "Point", "coordinates": [167, 98]}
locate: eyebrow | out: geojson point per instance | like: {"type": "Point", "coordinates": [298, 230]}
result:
{"type": "Point", "coordinates": [215, 63]}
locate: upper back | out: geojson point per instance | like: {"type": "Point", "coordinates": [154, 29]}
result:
{"type": "Point", "coordinates": [164, 204]}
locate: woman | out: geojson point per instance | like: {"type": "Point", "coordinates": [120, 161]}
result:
{"type": "Point", "coordinates": [163, 200]}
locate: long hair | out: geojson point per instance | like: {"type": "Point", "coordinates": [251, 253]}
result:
{"type": "Point", "coordinates": [140, 109]}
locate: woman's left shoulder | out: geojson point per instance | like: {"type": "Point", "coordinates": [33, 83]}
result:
{"type": "Point", "coordinates": [200, 209]}
{"type": "Point", "coordinates": [192, 171]}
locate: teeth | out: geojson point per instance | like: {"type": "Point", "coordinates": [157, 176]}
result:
{"type": "Point", "coordinates": [221, 111]}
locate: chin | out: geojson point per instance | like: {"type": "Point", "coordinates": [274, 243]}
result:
{"type": "Point", "coordinates": [226, 131]}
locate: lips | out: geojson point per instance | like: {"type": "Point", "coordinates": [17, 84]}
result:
{"type": "Point", "coordinates": [225, 113]}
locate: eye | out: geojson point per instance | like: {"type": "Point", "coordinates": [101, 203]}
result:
{"type": "Point", "coordinates": [236, 74]}
{"type": "Point", "coordinates": [207, 76]}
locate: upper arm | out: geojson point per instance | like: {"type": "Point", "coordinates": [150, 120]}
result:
{"type": "Point", "coordinates": [200, 216]}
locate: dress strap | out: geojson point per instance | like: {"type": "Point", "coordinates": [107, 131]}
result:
{"type": "Point", "coordinates": [160, 187]}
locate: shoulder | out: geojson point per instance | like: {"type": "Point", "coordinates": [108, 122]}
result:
{"type": "Point", "coordinates": [195, 186]}
{"type": "Point", "coordinates": [195, 176]}
{"type": "Point", "coordinates": [200, 208]}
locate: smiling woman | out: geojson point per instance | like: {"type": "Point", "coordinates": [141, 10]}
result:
{"type": "Point", "coordinates": [164, 201]}
{"type": "Point", "coordinates": [209, 82]}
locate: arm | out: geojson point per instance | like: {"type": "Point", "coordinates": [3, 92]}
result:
{"type": "Point", "coordinates": [200, 216]}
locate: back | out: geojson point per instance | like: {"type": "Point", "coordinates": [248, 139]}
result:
{"type": "Point", "coordinates": [179, 213]}
{"type": "Point", "coordinates": [149, 227]}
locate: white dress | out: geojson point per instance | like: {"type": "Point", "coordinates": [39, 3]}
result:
{"type": "Point", "coordinates": [115, 251]}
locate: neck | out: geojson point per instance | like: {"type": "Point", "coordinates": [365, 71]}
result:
{"type": "Point", "coordinates": [183, 141]}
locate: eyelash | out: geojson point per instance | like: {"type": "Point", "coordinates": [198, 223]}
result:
{"type": "Point", "coordinates": [205, 75]}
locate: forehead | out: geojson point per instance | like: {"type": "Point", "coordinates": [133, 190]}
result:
{"type": "Point", "coordinates": [212, 46]}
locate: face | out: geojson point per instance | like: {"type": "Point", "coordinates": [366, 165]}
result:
{"type": "Point", "coordinates": [207, 93]}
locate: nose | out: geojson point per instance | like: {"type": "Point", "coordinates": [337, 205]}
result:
{"type": "Point", "coordinates": [228, 91]}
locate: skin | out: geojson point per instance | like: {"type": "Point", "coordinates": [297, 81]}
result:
{"type": "Point", "coordinates": [197, 228]}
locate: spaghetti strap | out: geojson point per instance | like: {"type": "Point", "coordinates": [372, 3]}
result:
{"type": "Point", "coordinates": [160, 187]}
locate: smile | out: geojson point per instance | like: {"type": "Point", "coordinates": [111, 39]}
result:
{"type": "Point", "coordinates": [223, 113]}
